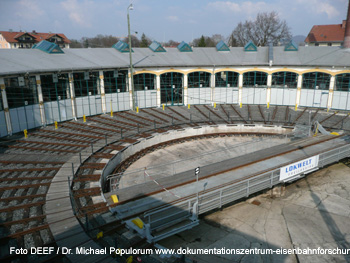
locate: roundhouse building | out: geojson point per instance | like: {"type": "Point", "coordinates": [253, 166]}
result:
{"type": "Point", "coordinates": [46, 84]}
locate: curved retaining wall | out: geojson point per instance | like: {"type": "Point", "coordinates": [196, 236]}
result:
{"type": "Point", "coordinates": [157, 138]}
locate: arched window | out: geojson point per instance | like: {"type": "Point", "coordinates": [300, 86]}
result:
{"type": "Point", "coordinates": [342, 82]}
{"type": "Point", "coordinates": [171, 87]}
{"type": "Point", "coordinates": [316, 80]}
{"type": "Point", "coordinates": [115, 81]}
{"type": "Point", "coordinates": [255, 79]}
{"type": "Point", "coordinates": [226, 79]}
{"type": "Point", "coordinates": [199, 79]}
{"type": "Point", "coordinates": [144, 81]}
{"type": "Point", "coordinates": [284, 79]}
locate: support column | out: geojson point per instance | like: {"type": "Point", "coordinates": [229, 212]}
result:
{"type": "Point", "coordinates": [130, 92]}
{"type": "Point", "coordinates": [268, 93]}
{"type": "Point", "coordinates": [212, 86]}
{"type": "Point", "coordinates": [158, 91]}
{"type": "Point", "coordinates": [72, 95]}
{"type": "Point", "coordinates": [299, 86]}
{"type": "Point", "coordinates": [41, 100]}
{"type": "Point", "coordinates": [331, 92]}
{"type": "Point", "coordinates": [240, 89]}
{"type": "Point", "coordinates": [103, 93]}
{"type": "Point", "coordinates": [6, 107]}
{"type": "Point", "coordinates": [185, 89]}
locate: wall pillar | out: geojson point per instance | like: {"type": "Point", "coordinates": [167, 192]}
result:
{"type": "Point", "coordinates": [331, 92]}
{"type": "Point", "coordinates": [103, 93]}
{"type": "Point", "coordinates": [240, 87]}
{"type": "Point", "coordinates": [212, 87]}
{"type": "Point", "coordinates": [6, 107]}
{"type": "Point", "coordinates": [268, 92]}
{"type": "Point", "coordinates": [72, 95]}
{"type": "Point", "coordinates": [41, 100]}
{"type": "Point", "coordinates": [299, 86]}
{"type": "Point", "coordinates": [185, 89]}
{"type": "Point", "coordinates": [158, 90]}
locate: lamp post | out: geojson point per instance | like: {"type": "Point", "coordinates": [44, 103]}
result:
{"type": "Point", "coordinates": [130, 7]}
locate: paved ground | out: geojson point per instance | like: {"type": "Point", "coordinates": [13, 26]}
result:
{"type": "Point", "coordinates": [313, 212]}
{"type": "Point", "coordinates": [191, 154]}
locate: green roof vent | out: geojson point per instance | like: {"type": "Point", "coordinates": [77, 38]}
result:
{"type": "Point", "coordinates": [184, 47]}
{"type": "Point", "coordinates": [250, 47]}
{"type": "Point", "coordinates": [121, 46]}
{"type": "Point", "coordinates": [291, 46]}
{"type": "Point", "coordinates": [48, 47]}
{"type": "Point", "coordinates": [221, 46]}
{"type": "Point", "coordinates": [156, 47]}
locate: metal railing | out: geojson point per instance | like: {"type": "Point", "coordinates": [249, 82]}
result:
{"type": "Point", "coordinates": [217, 198]}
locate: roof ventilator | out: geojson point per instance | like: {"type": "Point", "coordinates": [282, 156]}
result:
{"type": "Point", "coordinates": [48, 47]}
{"type": "Point", "coordinates": [221, 46]}
{"type": "Point", "coordinates": [156, 47]}
{"type": "Point", "coordinates": [122, 47]}
{"type": "Point", "coordinates": [184, 47]}
{"type": "Point", "coordinates": [250, 47]}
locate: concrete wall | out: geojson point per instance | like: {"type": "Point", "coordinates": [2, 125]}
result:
{"type": "Point", "coordinates": [157, 138]}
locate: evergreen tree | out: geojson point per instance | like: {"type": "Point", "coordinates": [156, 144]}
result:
{"type": "Point", "coordinates": [202, 42]}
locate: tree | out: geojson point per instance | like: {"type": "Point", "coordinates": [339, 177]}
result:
{"type": "Point", "coordinates": [201, 42]}
{"type": "Point", "coordinates": [135, 42]}
{"type": "Point", "coordinates": [266, 28]}
{"type": "Point", "coordinates": [145, 41]}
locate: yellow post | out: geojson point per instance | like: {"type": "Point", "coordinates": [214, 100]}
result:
{"type": "Point", "coordinates": [111, 110]}
{"type": "Point", "coordinates": [56, 125]}
{"type": "Point", "coordinates": [84, 118]}
{"type": "Point", "coordinates": [327, 109]}
{"type": "Point", "coordinates": [25, 134]}
{"type": "Point", "coordinates": [129, 259]}
{"type": "Point", "coordinates": [99, 235]}
{"type": "Point", "coordinates": [214, 105]}
{"type": "Point", "coordinates": [240, 105]}
{"type": "Point", "coordinates": [137, 109]}
{"type": "Point", "coordinates": [296, 107]}
{"type": "Point", "coordinates": [188, 106]}
{"type": "Point", "coordinates": [163, 106]}
{"type": "Point", "coordinates": [268, 105]}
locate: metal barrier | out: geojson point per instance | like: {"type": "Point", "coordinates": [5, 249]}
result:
{"type": "Point", "coordinates": [173, 213]}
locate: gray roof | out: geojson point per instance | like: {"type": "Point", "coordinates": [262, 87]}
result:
{"type": "Point", "coordinates": [14, 61]}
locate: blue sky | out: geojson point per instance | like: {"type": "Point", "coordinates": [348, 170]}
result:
{"type": "Point", "coordinates": [161, 20]}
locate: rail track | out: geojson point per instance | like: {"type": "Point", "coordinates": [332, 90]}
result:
{"type": "Point", "coordinates": [28, 168]}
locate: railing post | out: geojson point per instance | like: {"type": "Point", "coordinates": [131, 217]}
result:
{"type": "Point", "coordinates": [92, 148]}
{"type": "Point", "coordinates": [247, 188]}
{"type": "Point", "coordinates": [220, 205]}
{"type": "Point", "coordinates": [271, 178]}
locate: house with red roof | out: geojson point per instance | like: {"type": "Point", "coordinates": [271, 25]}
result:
{"type": "Point", "coordinates": [10, 39]}
{"type": "Point", "coordinates": [326, 35]}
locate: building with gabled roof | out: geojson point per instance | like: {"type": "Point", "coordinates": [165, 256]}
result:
{"type": "Point", "coordinates": [326, 35]}
{"type": "Point", "coordinates": [11, 39]}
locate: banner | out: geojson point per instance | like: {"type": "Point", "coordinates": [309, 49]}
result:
{"type": "Point", "coordinates": [298, 168]}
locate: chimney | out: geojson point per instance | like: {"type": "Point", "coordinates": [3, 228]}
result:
{"type": "Point", "coordinates": [347, 30]}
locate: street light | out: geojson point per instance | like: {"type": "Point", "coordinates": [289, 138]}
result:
{"type": "Point", "coordinates": [130, 7]}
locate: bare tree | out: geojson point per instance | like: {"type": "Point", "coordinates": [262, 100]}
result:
{"type": "Point", "coordinates": [266, 28]}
